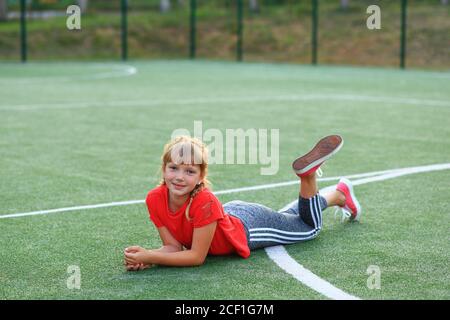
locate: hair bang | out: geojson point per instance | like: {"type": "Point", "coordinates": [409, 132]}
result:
{"type": "Point", "coordinates": [186, 153]}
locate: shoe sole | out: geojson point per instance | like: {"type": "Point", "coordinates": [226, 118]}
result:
{"type": "Point", "coordinates": [323, 150]}
{"type": "Point", "coordinates": [355, 201]}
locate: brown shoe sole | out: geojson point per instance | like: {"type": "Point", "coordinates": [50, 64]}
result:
{"type": "Point", "coordinates": [322, 151]}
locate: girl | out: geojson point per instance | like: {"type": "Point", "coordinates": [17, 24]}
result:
{"type": "Point", "coordinates": [192, 223]}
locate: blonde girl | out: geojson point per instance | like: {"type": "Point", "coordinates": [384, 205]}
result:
{"type": "Point", "coordinates": [192, 222]}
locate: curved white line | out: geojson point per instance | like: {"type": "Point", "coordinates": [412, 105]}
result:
{"type": "Point", "coordinates": [278, 253]}
{"type": "Point", "coordinates": [280, 256]}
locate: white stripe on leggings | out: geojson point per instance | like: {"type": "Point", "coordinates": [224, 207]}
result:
{"type": "Point", "coordinates": [318, 211]}
{"type": "Point", "coordinates": [294, 233]}
{"type": "Point", "coordinates": [312, 207]}
{"type": "Point", "coordinates": [254, 235]}
{"type": "Point", "coordinates": [312, 213]}
{"type": "Point", "coordinates": [290, 235]}
{"type": "Point", "coordinates": [281, 241]}
{"type": "Point", "coordinates": [273, 240]}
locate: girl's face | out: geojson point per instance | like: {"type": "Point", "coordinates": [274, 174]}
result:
{"type": "Point", "coordinates": [181, 179]}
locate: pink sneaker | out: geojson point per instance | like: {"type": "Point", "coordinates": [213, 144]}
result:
{"type": "Point", "coordinates": [351, 209]}
{"type": "Point", "coordinates": [323, 150]}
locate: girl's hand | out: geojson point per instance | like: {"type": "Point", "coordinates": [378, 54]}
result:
{"type": "Point", "coordinates": [137, 267]}
{"type": "Point", "coordinates": [134, 257]}
{"type": "Point", "coordinates": [135, 249]}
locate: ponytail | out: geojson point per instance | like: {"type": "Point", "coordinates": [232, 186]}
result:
{"type": "Point", "coordinates": [199, 187]}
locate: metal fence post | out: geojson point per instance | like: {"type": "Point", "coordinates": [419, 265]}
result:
{"type": "Point", "coordinates": [124, 11]}
{"type": "Point", "coordinates": [315, 18]}
{"type": "Point", "coordinates": [193, 29]}
{"type": "Point", "coordinates": [240, 10]}
{"type": "Point", "coordinates": [23, 31]}
{"type": "Point", "coordinates": [403, 35]}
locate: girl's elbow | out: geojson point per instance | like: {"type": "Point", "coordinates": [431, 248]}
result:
{"type": "Point", "coordinates": [199, 260]}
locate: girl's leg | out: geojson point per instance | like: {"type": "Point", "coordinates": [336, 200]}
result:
{"type": "Point", "coordinates": [335, 198]}
{"type": "Point", "coordinates": [308, 189]}
{"type": "Point", "coordinates": [329, 199]}
{"type": "Point", "coordinates": [299, 221]}
{"type": "Point", "coordinates": [266, 227]}
{"type": "Point", "coordinates": [308, 186]}
{"type": "Point", "coordinates": [310, 209]}
{"type": "Point", "coordinates": [309, 206]}
{"type": "Point", "coordinates": [293, 207]}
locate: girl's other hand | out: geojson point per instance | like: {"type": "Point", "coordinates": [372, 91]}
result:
{"type": "Point", "coordinates": [137, 267]}
{"type": "Point", "coordinates": [131, 260]}
{"type": "Point", "coordinates": [134, 249]}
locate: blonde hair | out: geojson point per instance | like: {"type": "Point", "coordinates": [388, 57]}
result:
{"type": "Point", "coordinates": [187, 150]}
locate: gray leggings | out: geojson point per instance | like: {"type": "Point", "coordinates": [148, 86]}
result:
{"type": "Point", "coordinates": [300, 220]}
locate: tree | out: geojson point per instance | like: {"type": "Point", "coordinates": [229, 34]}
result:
{"type": "Point", "coordinates": [3, 10]}
{"type": "Point", "coordinates": [164, 5]}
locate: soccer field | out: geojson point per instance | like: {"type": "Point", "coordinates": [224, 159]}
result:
{"type": "Point", "coordinates": [82, 134]}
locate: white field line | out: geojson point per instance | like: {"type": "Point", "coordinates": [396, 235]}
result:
{"type": "Point", "coordinates": [280, 256]}
{"type": "Point", "coordinates": [207, 100]}
{"type": "Point", "coordinates": [228, 191]}
{"type": "Point", "coordinates": [113, 71]}
{"type": "Point", "coordinates": [59, 210]}
{"type": "Point", "coordinates": [394, 172]}
{"type": "Point", "coordinates": [121, 71]}
{"type": "Point", "coordinates": [402, 172]}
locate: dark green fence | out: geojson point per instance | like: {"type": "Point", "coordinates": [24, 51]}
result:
{"type": "Point", "coordinates": [414, 33]}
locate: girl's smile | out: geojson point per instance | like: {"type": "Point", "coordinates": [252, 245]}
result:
{"type": "Point", "coordinates": [178, 186]}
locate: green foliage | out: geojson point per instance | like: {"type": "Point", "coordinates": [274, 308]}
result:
{"type": "Point", "coordinates": [278, 32]}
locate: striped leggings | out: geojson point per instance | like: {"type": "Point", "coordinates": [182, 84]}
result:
{"type": "Point", "coordinates": [298, 221]}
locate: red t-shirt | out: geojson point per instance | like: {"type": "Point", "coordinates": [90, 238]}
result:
{"type": "Point", "coordinates": [229, 236]}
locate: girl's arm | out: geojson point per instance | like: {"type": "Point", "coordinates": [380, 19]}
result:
{"type": "Point", "coordinates": [170, 244]}
{"type": "Point", "coordinates": [195, 256]}
{"type": "Point", "coordinates": [168, 241]}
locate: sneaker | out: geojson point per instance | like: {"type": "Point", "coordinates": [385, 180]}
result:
{"type": "Point", "coordinates": [323, 150]}
{"type": "Point", "coordinates": [351, 209]}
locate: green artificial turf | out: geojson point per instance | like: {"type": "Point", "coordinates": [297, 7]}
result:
{"type": "Point", "coordinates": [75, 134]}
